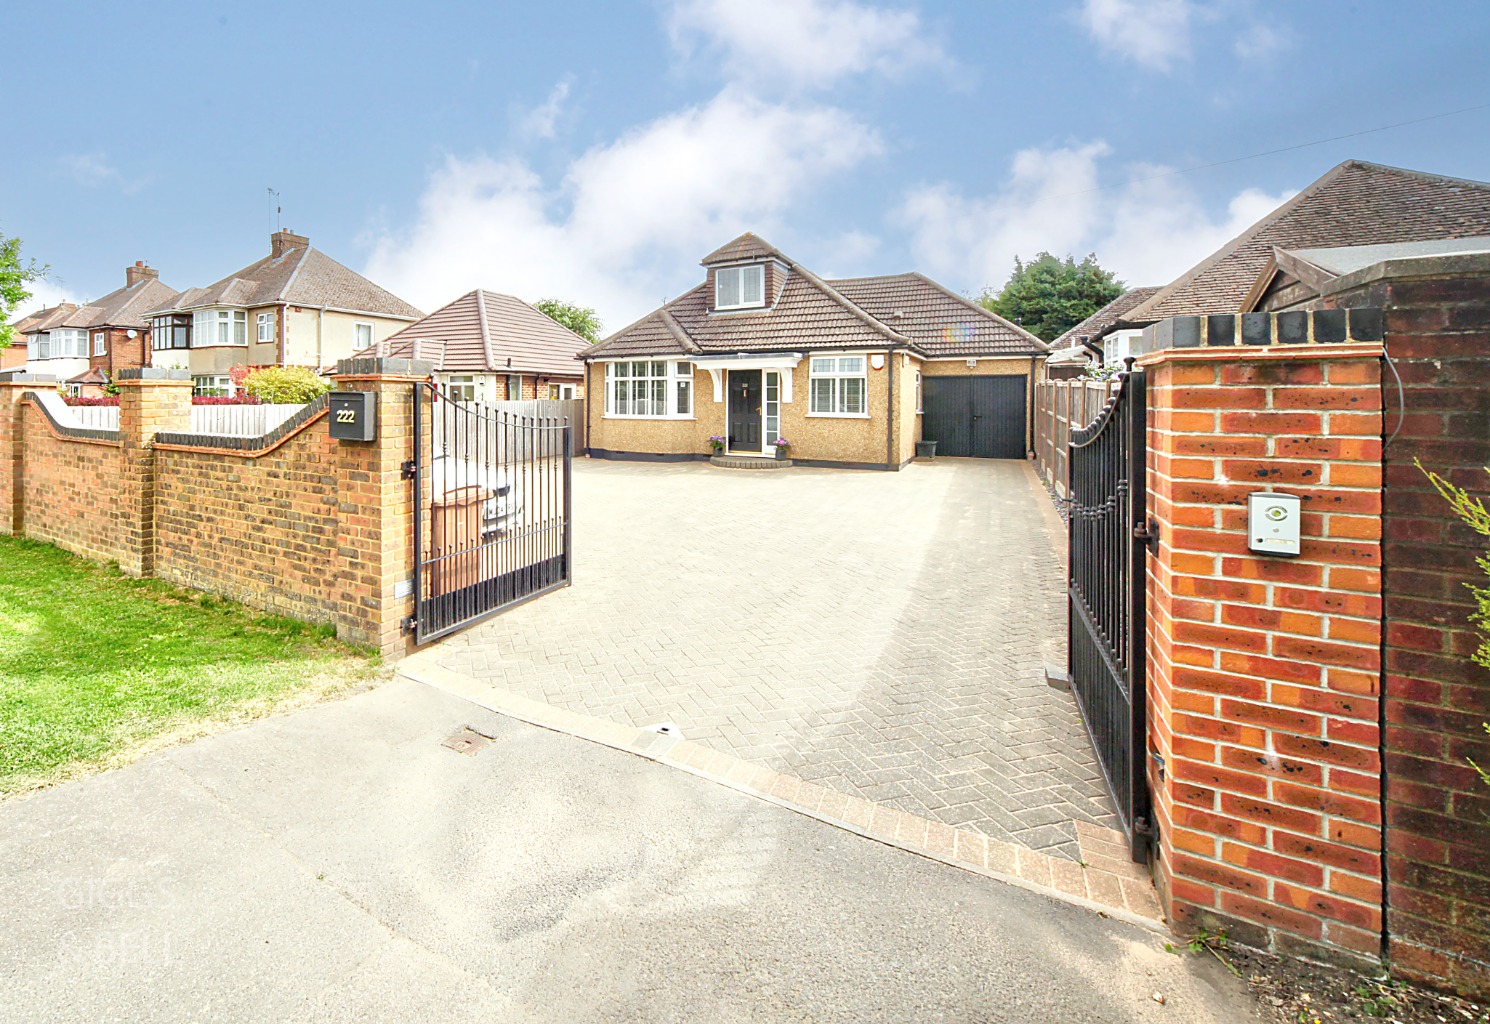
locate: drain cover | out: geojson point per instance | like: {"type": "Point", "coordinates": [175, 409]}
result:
{"type": "Point", "coordinates": [466, 741]}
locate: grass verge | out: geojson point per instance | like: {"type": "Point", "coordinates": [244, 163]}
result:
{"type": "Point", "coordinates": [97, 668]}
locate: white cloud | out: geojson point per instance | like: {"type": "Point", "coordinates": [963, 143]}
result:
{"type": "Point", "coordinates": [1153, 33]}
{"type": "Point", "coordinates": [542, 121]}
{"type": "Point", "coordinates": [811, 43]}
{"type": "Point", "coordinates": [628, 221]}
{"type": "Point", "coordinates": [973, 240]}
{"type": "Point", "coordinates": [94, 170]}
{"type": "Point", "coordinates": [1148, 231]}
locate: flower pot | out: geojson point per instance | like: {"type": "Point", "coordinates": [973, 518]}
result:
{"type": "Point", "coordinates": [782, 454]}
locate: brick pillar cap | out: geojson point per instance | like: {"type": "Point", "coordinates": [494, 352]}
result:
{"type": "Point", "coordinates": [152, 373]}
{"type": "Point", "coordinates": [389, 365]}
{"type": "Point", "coordinates": [22, 377]}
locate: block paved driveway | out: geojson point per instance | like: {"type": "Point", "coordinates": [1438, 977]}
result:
{"type": "Point", "coordinates": [882, 634]}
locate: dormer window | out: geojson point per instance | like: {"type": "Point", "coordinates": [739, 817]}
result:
{"type": "Point", "coordinates": [740, 287]}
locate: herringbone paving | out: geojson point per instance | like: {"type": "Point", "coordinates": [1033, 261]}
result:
{"type": "Point", "coordinates": [881, 634]}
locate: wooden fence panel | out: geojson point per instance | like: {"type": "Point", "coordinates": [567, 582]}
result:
{"type": "Point", "coordinates": [1060, 407]}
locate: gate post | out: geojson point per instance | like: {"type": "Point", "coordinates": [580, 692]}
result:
{"type": "Point", "coordinates": [1264, 670]}
{"type": "Point", "coordinates": [152, 400]}
{"type": "Point", "coordinates": [376, 507]}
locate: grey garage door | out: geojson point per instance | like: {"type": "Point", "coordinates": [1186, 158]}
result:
{"type": "Point", "coordinates": [981, 417]}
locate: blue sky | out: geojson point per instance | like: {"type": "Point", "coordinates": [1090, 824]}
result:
{"type": "Point", "coordinates": [597, 151]}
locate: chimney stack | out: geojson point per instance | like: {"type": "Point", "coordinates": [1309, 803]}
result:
{"type": "Point", "coordinates": [139, 272]}
{"type": "Point", "coordinates": [283, 241]}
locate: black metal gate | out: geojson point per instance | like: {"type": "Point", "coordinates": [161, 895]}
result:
{"type": "Point", "coordinates": [491, 509]}
{"type": "Point", "coordinates": [1108, 535]}
{"type": "Point", "coordinates": [977, 417]}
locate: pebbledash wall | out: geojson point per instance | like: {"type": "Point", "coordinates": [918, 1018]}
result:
{"type": "Point", "coordinates": [1312, 718]}
{"type": "Point", "coordinates": [293, 522]}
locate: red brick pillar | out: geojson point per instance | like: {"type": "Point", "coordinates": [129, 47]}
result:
{"type": "Point", "coordinates": [151, 400]}
{"type": "Point", "coordinates": [1264, 670]}
{"type": "Point", "coordinates": [376, 533]}
{"type": "Point", "coordinates": [13, 385]}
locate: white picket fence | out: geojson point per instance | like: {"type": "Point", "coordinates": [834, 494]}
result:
{"type": "Point", "coordinates": [213, 420]}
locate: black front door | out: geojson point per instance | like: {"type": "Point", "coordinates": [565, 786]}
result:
{"type": "Point", "coordinates": [745, 411]}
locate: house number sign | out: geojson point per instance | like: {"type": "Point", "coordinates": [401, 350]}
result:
{"type": "Point", "coordinates": [354, 415]}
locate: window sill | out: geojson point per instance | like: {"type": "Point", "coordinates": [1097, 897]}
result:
{"type": "Point", "coordinates": [662, 419]}
{"type": "Point", "coordinates": [838, 415]}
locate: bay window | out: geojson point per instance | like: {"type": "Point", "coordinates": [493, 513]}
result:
{"type": "Point", "coordinates": [740, 287]}
{"type": "Point", "coordinates": [838, 386]}
{"type": "Point", "coordinates": [219, 327]}
{"type": "Point", "coordinates": [63, 343]}
{"type": "Point", "coordinates": [171, 331]}
{"type": "Point", "coordinates": [216, 386]}
{"type": "Point", "coordinates": [651, 388]}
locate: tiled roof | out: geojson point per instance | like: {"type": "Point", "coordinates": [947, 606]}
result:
{"type": "Point", "coordinates": [487, 332]}
{"type": "Point", "coordinates": [1094, 325]}
{"type": "Point", "coordinates": [746, 247]}
{"type": "Point", "coordinates": [939, 322]}
{"type": "Point", "coordinates": [1356, 203]}
{"type": "Point", "coordinates": [44, 319]}
{"type": "Point", "coordinates": [127, 307]}
{"type": "Point", "coordinates": [300, 277]}
{"type": "Point", "coordinates": [905, 310]}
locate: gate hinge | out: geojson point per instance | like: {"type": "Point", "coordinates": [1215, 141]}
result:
{"type": "Point", "coordinates": [406, 469]}
{"type": "Point", "coordinates": [1148, 533]}
{"type": "Point", "coordinates": [1142, 826]}
{"type": "Point", "coordinates": [408, 624]}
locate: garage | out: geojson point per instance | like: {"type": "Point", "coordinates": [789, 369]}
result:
{"type": "Point", "coordinates": [976, 417]}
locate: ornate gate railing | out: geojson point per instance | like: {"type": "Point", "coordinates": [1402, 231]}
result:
{"type": "Point", "coordinates": [491, 509]}
{"type": "Point", "coordinates": [1106, 597]}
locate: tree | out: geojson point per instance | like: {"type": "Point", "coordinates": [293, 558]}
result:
{"type": "Point", "coordinates": [582, 320]}
{"type": "Point", "coordinates": [14, 277]}
{"type": "Point", "coordinates": [1048, 296]}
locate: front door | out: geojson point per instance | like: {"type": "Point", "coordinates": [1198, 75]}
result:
{"type": "Point", "coordinates": [745, 394]}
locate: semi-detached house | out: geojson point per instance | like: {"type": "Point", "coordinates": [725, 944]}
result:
{"type": "Point", "coordinates": [295, 307]}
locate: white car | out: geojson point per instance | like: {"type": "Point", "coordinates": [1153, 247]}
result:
{"type": "Point", "coordinates": [449, 473]}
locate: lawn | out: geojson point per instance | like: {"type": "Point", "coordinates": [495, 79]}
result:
{"type": "Point", "coordinates": [97, 668]}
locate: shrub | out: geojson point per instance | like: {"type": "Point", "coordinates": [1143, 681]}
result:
{"type": "Point", "coordinates": [241, 398]}
{"type": "Point", "coordinates": [91, 400]}
{"type": "Point", "coordinates": [286, 385]}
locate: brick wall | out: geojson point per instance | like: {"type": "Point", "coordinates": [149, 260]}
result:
{"type": "Point", "coordinates": [77, 483]}
{"type": "Point", "coordinates": [1263, 670]}
{"type": "Point", "coordinates": [258, 529]}
{"type": "Point", "coordinates": [1435, 697]}
{"type": "Point", "coordinates": [295, 523]}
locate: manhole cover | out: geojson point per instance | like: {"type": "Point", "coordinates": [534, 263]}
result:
{"type": "Point", "coordinates": [466, 741]}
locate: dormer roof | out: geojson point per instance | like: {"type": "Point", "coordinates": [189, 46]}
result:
{"type": "Point", "coordinates": [744, 249]}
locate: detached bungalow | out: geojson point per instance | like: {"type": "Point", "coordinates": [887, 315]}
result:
{"type": "Point", "coordinates": [490, 347]}
{"type": "Point", "coordinates": [849, 372]}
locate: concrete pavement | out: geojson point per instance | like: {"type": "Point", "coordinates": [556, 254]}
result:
{"type": "Point", "coordinates": [338, 863]}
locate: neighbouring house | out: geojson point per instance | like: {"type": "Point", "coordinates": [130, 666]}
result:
{"type": "Point", "coordinates": [490, 347]}
{"type": "Point", "coordinates": [116, 328]}
{"type": "Point", "coordinates": [850, 372]}
{"type": "Point", "coordinates": [1354, 204]}
{"type": "Point", "coordinates": [295, 307]}
{"type": "Point", "coordinates": [1293, 278]}
{"type": "Point", "coordinates": [1084, 344]}
{"type": "Point", "coordinates": [31, 341]}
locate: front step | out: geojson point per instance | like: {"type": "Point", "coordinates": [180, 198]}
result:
{"type": "Point", "coordinates": [745, 462]}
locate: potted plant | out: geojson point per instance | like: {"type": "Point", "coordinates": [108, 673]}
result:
{"type": "Point", "coordinates": [783, 448]}
{"type": "Point", "coordinates": [717, 444]}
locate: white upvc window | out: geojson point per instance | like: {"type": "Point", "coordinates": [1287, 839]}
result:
{"type": "Point", "coordinates": [64, 343]}
{"type": "Point", "coordinates": [362, 335]}
{"type": "Point", "coordinates": [100, 343]}
{"type": "Point", "coordinates": [740, 287]}
{"type": "Point", "coordinates": [265, 323]}
{"type": "Point", "coordinates": [219, 327]}
{"type": "Point", "coordinates": [213, 386]}
{"type": "Point", "coordinates": [39, 346]}
{"type": "Point", "coordinates": [919, 392]}
{"type": "Point", "coordinates": [461, 387]}
{"type": "Point", "coordinates": [649, 389]}
{"type": "Point", "coordinates": [838, 386]}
